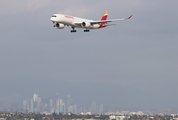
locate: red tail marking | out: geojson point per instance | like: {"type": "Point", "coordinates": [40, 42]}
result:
{"type": "Point", "coordinates": [104, 17]}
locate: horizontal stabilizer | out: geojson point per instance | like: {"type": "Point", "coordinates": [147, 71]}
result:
{"type": "Point", "coordinates": [110, 24]}
{"type": "Point", "coordinates": [112, 20]}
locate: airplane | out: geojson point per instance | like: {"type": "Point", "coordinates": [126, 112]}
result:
{"type": "Point", "coordinates": [62, 20]}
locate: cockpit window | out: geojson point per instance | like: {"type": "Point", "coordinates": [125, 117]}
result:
{"type": "Point", "coordinates": [54, 16]}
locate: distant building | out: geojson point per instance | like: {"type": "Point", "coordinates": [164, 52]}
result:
{"type": "Point", "coordinates": [94, 108]}
{"type": "Point", "coordinates": [75, 109]}
{"type": "Point", "coordinates": [39, 101]}
{"type": "Point", "coordinates": [68, 103]}
{"type": "Point", "coordinates": [113, 117]}
{"type": "Point", "coordinates": [62, 108]}
{"type": "Point", "coordinates": [56, 105]}
{"type": "Point", "coordinates": [71, 109]}
{"type": "Point", "coordinates": [101, 109]}
{"type": "Point", "coordinates": [24, 105]}
{"type": "Point", "coordinates": [35, 97]}
{"type": "Point", "coordinates": [51, 107]}
{"type": "Point", "coordinates": [31, 105]}
{"type": "Point", "coordinates": [125, 112]}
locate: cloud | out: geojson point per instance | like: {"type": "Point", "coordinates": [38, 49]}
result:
{"type": "Point", "coordinates": [18, 6]}
{"type": "Point", "coordinates": [77, 7]}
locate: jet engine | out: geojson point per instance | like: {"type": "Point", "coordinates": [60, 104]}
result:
{"type": "Point", "coordinates": [85, 24]}
{"type": "Point", "coordinates": [59, 25]}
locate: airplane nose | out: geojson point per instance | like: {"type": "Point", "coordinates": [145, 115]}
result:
{"type": "Point", "coordinates": [51, 19]}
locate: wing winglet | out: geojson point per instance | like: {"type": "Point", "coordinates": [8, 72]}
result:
{"type": "Point", "coordinates": [130, 17]}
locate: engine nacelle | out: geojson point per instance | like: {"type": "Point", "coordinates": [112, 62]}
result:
{"type": "Point", "coordinates": [59, 25]}
{"type": "Point", "coordinates": [85, 24]}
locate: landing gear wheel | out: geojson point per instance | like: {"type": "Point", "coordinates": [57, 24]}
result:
{"type": "Point", "coordinates": [86, 30]}
{"type": "Point", "coordinates": [73, 30]}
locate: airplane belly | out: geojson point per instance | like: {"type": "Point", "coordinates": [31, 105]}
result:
{"type": "Point", "coordinates": [95, 26]}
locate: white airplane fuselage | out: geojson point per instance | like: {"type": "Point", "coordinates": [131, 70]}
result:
{"type": "Point", "coordinates": [70, 21]}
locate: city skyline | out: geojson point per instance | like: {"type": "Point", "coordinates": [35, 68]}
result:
{"type": "Point", "coordinates": [65, 105]}
{"type": "Point", "coordinates": [50, 105]}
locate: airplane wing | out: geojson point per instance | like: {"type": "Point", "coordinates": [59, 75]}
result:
{"type": "Point", "coordinates": [112, 20]}
{"type": "Point", "coordinates": [103, 21]}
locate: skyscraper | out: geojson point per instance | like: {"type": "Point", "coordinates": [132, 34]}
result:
{"type": "Point", "coordinates": [35, 105]}
{"type": "Point", "coordinates": [57, 102]}
{"type": "Point", "coordinates": [68, 102]}
{"type": "Point", "coordinates": [24, 105]}
{"type": "Point", "coordinates": [94, 107]}
{"type": "Point", "coordinates": [101, 109]}
{"type": "Point", "coordinates": [51, 107]}
{"type": "Point", "coordinates": [38, 104]}
{"type": "Point", "coordinates": [57, 106]}
{"type": "Point", "coordinates": [71, 109]}
{"type": "Point", "coordinates": [75, 109]}
{"type": "Point", "coordinates": [31, 105]}
{"type": "Point", "coordinates": [35, 97]}
{"type": "Point", "coordinates": [62, 106]}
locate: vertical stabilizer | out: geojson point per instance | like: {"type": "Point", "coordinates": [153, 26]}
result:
{"type": "Point", "coordinates": [104, 17]}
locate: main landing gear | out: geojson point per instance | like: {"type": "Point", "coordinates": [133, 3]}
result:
{"type": "Point", "coordinates": [86, 30]}
{"type": "Point", "coordinates": [73, 30]}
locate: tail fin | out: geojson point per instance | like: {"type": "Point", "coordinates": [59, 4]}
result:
{"type": "Point", "coordinates": [104, 17]}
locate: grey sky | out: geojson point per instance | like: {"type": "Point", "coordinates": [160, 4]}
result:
{"type": "Point", "coordinates": [133, 64]}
